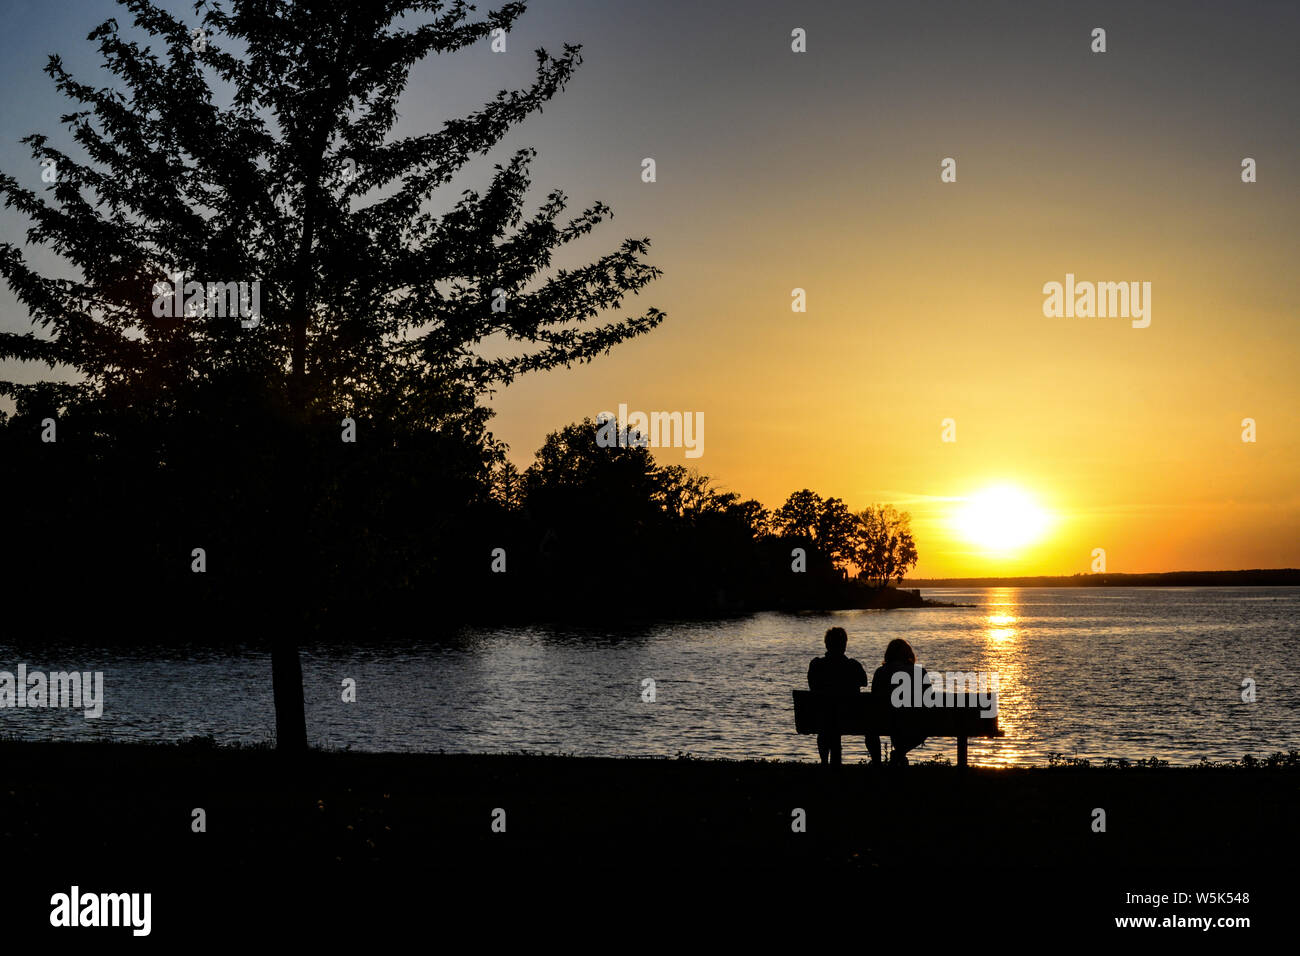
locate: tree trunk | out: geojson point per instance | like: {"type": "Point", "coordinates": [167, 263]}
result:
{"type": "Point", "coordinates": [286, 593]}
{"type": "Point", "coordinates": [287, 602]}
{"type": "Point", "coordinates": [286, 666]}
{"type": "Point", "coordinates": [290, 706]}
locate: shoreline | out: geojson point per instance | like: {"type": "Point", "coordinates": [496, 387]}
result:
{"type": "Point", "coordinates": [301, 842]}
{"type": "Point", "coordinates": [369, 805]}
{"type": "Point", "coordinates": [928, 760]}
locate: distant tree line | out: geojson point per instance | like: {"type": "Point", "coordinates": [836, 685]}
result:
{"type": "Point", "coordinates": [609, 532]}
{"type": "Point", "coordinates": [404, 526]}
{"type": "Point", "coordinates": [1255, 577]}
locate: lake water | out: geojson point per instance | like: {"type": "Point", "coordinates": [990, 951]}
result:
{"type": "Point", "coordinates": [1113, 672]}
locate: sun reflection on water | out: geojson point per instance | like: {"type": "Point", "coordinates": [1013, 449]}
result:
{"type": "Point", "coordinates": [1003, 655]}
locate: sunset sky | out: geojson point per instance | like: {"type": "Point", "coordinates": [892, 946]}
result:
{"type": "Point", "coordinates": [820, 170]}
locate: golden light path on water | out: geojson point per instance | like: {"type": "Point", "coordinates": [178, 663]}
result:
{"type": "Point", "coordinates": [1003, 656]}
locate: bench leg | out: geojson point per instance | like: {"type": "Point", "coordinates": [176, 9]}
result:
{"type": "Point", "coordinates": [961, 752]}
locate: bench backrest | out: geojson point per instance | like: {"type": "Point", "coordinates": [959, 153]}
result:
{"type": "Point", "coordinates": [860, 714]}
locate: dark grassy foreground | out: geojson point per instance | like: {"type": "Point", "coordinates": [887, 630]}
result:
{"type": "Point", "coordinates": [351, 840]}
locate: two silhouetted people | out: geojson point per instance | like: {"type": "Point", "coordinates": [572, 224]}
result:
{"type": "Point", "coordinates": [836, 678]}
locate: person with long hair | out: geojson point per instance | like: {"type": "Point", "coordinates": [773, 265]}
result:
{"type": "Point", "coordinates": [894, 679]}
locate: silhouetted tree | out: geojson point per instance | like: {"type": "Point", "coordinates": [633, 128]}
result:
{"type": "Point", "coordinates": [577, 488]}
{"type": "Point", "coordinates": [798, 517]}
{"type": "Point", "coordinates": [507, 486]}
{"type": "Point", "coordinates": [600, 526]}
{"type": "Point", "coordinates": [823, 524]}
{"type": "Point", "coordinates": [258, 146]}
{"type": "Point", "coordinates": [835, 527]}
{"type": "Point", "coordinates": [883, 548]}
{"type": "Point", "coordinates": [685, 493]}
{"type": "Point", "coordinates": [747, 515]}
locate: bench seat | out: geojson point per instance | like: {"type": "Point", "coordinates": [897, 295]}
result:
{"type": "Point", "coordinates": [859, 715]}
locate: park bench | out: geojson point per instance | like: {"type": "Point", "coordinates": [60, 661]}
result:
{"type": "Point", "coordinates": [856, 715]}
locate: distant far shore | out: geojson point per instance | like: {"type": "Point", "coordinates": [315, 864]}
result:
{"type": "Point", "coordinates": [1272, 577]}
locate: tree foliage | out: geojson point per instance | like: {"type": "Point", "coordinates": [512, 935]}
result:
{"type": "Point", "coordinates": [884, 549]}
{"type": "Point", "coordinates": [266, 152]}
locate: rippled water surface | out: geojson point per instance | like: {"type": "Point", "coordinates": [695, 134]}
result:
{"type": "Point", "coordinates": [1116, 672]}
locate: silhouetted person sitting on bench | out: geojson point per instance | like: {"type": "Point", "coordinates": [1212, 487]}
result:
{"type": "Point", "coordinates": [900, 663]}
{"type": "Point", "coordinates": [834, 676]}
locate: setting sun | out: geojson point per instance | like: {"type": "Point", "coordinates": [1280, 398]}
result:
{"type": "Point", "coordinates": [1001, 519]}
